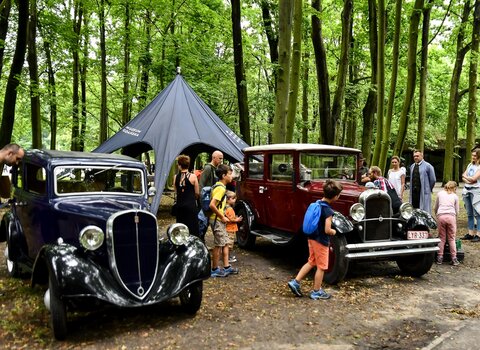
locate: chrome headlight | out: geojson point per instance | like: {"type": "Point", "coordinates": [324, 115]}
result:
{"type": "Point", "coordinates": [91, 237]}
{"type": "Point", "coordinates": [357, 212]}
{"type": "Point", "coordinates": [178, 234]}
{"type": "Point", "coordinates": [406, 211]}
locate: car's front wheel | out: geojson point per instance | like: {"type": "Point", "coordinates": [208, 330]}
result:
{"type": "Point", "coordinates": [58, 310]}
{"type": "Point", "coordinates": [337, 262]}
{"type": "Point", "coordinates": [12, 267]}
{"type": "Point", "coordinates": [416, 265]}
{"type": "Point", "coordinates": [191, 297]}
{"type": "Point", "coordinates": [245, 238]}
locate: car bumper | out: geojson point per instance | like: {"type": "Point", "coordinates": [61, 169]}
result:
{"type": "Point", "coordinates": [391, 248]}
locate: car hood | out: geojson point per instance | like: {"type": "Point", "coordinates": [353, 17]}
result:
{"type": "Point", "coordinates": [349, 188]}
{"type": "Point", "coordinates": [96, 207]}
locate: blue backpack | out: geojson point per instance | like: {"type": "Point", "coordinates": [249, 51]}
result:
{"type": "Point", "coordinates": [206, 198]}
{"type": "Point", "coordinates": [312, 217]}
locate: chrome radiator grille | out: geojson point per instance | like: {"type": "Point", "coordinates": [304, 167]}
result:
{"type": "Point", "coordinates": [133, 250]}
{"type": "Point", "coordinates": [378, 225]}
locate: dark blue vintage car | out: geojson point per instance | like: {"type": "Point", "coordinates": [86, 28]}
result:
{"type": "Point", "coordinates": [79, 223]}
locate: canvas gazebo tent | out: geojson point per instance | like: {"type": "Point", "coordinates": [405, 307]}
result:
{"type": "Point", "coordinates": [177, 121]}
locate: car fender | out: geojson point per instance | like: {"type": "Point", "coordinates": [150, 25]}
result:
{"type": "Point", "coordinates": [79, 276]}
{"type": "Point", "coordinates": [340, 223]}
{"type": "Point", "coordinates": [248, 210]}
{"type": "Point", "coordinates": [421, 218]}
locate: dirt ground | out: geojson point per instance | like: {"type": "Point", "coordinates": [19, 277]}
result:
{"type": "Point", "coordinates": [374, 308]}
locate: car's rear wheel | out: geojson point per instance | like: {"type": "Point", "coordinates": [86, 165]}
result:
{"type": "Point", "coordinates": [416, 265]}
{"type": "Point", "coordinates": [191, 297]}
{"type": "Point", "coordinates": [58, 310]}
{"type": "Point", "coordinates": [245, 238]}
{"type": "Point", "coordinates": [337, 262]}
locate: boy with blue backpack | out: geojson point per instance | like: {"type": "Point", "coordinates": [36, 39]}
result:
{"type": "Point", "coordinates": [318, 242]}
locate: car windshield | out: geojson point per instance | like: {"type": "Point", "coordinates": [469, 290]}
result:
{"type": "Point", "coordinates": [317, 166]}
{"type": "Point", "coordinates": [78, 180]}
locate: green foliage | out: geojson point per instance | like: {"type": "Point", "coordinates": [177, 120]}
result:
{"type": "Point", "coordinates": [196, 34]}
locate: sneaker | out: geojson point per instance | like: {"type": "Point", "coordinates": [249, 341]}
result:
{"type": "Point", "coordinates": [439, 259]}
{"type": "Point", "coordinates": [475, 239]}
{"type": "Point", "coordinates": [218, 273]}
{"type": "Point", "coordinates": [232, 259]}
{"type": "Point", "coordinates": [467, 237]}
{"type": "Point", "coordinates": [319, 294]}
{"type": "Point", "coordinates": [231, 271]}
{"type": "Point", "coordinates": [295, 287]}
{"type": "Point", "coordinates": [455, 262]}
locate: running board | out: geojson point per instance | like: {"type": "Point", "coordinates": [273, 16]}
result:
{"type": "Point", "coordinates": [275, 237]}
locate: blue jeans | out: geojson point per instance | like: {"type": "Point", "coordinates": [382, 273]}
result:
{"type": "Point", "coordinates": [471, 212]}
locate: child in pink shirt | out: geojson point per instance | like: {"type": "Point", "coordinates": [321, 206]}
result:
{"type": "Point", "coordinates": [446, 208]}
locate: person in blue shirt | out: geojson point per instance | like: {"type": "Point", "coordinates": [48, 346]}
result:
{"type": "Point", "coordinates": [318, 245]}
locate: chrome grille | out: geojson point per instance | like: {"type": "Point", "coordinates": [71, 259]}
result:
{"type": "Point", "coordinates": [378, 223]}
{"type": "Point", "coordinates": [133, 250]}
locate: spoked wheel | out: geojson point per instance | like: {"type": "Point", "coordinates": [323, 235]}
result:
{"type": "Point", "coordinates": [245, 238]}
{"type": "Point", "coordinates": [191, 297]}
{"type": "Point", "coordinates": [58, 310]}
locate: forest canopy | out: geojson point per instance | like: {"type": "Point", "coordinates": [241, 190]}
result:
{"type": "Point", "coordinates": [382, 76]}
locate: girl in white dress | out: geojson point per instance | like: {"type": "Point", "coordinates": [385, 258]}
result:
{"type": "Point", "coordinates": [396, 176]}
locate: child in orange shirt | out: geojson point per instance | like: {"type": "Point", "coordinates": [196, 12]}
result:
{"type": "Point", "coordinates": [232, 227]}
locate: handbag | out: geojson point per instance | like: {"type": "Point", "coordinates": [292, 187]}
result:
{"type": "Point", "coordinates": [396, 201]}
{"type": "Point", "coordinates": [174, 209]}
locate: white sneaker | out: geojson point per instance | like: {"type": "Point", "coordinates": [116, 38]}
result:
{"type": "Point", "coordinates": [232, 259]}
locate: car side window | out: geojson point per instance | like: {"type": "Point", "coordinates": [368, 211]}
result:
{"type": "Point", "coordinates": [36, 178]}
{"type": "Point", "coordinates": [255, 168]}
{"type": "Point", "coordinates": [281, 167]}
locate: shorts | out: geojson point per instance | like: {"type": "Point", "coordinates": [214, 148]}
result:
{"type": "Point", "coordinates": [231, 238]}
{"type": "Point", "coordinates": [318, 255]}
{"type": "Point", "coordinates": [220, 235]}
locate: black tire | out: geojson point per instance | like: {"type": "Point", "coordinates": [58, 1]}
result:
{"type": "Point", "coordinates": [337, 262]}
{"type": "Point", "coordinates": [245, 238]}
{"type": "Point", "coordinates": [416, 265]}
{"type": "Point", "coordinates": [58, 310]}
{"type": "Point", "coordinates": [191, 297]}
{"type": "Point", "coordinates": [13, 269]}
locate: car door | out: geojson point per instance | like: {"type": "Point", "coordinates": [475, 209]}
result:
{"type": "Point", "coordinates": [32, 205]}
{"type": "Point", "coordinates": [280, 185]}
{"type": "Point", "coordinates": [253, 185]}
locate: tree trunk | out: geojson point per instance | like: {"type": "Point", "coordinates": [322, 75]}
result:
{"type": "Point", "coordinates": [4, 14]}
{"type": "Point", "coordinates": [8, 115]}
{"type": "Point", "coordinates": [77, 25]}
{"type": "Point", "coordinates": [295, 68]}
{"type": "Point", "coordinates": [380, 83]}
{"type": "Point", "coordinates": [411, 76]}
{"type": "Point", "coordinates": [325, 115]}
{"type": "Point", "coordinates": [52, 94]}
{"type": "Point", "coordinates": [472, 78]}
{"type": "Point", "coordinates": [368, 112]}
{"type": "Point", "coordinates": [145, 60]}
{"type": "Point", "coordinates": [452, 121]}
{"type": "Point", "coordinates": [306, 59]}
{"type": "Point", "coordinates": [284, 49]}
{"type": "Point", "coordinates": [83, 84]}
{"type": "Point", "coordinates": [393, 85]}
{"type": "Point", "coordinates": [272, 39]}
{"type": "Point", "coordinates": [342, 65]}
{"type": "Point", "coordinates": [103, 78]}
{"type": "Point", "coordinates": [33, 72]}
{"type": "Point", "coordinates": [240, 78]}
{"type": "Point", "coordinates": [351, 99]}
{"type": "Point", "coordinates": [422, 103]}
{"type": "Point", "coordinates": [126, 67]}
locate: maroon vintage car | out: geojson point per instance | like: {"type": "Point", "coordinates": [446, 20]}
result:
{"type": "Point", "coordinates": [278, 183]}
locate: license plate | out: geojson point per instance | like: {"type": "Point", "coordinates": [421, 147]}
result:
{"type": "Point", "coordinates": [417, 234]}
